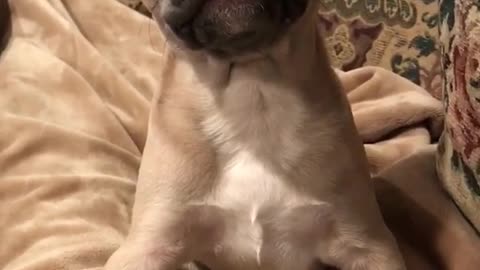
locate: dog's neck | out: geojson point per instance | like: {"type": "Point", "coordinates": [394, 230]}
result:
{"type": "Point", "coordinates": [298, 61]}
{"type": "Point", "coordinates": [298, 57]}
{"type": "Point", "coordinates": [261, 103]}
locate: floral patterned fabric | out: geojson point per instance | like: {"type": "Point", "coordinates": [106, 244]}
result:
{"type": "Point", "coordinates": [459, 152]}
{"type": "Point", "coordinates": [399, 35]}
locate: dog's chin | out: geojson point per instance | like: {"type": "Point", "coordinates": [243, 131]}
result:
{"type": "Point", "coordinates": [248, 46]}
{"type": "Point", "coordinates": [235, 29]}
{"type": "Point", "coordinates": [233, 50]}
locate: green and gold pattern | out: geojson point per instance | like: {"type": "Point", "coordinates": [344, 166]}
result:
{"type": "Point", "coordinates": [399, 35]}
{"type": "Point", "coordinates": [389, 12]}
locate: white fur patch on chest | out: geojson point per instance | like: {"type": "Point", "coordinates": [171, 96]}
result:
{"type": "Point", "coordinates": [267, 222]}
{"type": "Point", "coordinates": [250, 191]}
{"type": "Point", "coordinates": [247, 183]}
{"type": "Point", "coordinates": [247, 187]}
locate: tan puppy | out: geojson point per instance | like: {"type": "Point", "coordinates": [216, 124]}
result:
{"type": "Point", "coordinates": [252, 160]}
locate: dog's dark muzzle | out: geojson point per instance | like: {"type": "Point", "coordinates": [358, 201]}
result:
{"type": "Point", "coordinates": [230, 26]}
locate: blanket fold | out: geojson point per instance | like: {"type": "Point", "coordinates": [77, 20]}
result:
{"type": "Point", "coordinates": [75, 80]}
{"type": "Point", "coordinates": [393, 116]}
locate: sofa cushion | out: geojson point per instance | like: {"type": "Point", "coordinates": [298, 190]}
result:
{"type": "Point", "coordinates": [399, 35]}
{"type": "Point", "coordinates": [459, 151]}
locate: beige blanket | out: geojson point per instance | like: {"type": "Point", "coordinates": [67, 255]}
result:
{"type": "Point", "coordinates": [75, 85]}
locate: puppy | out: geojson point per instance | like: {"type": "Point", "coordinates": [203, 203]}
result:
{"type": "Point", "coordinates": [253, 160]}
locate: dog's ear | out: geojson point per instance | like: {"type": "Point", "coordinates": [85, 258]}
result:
{"type": "Point", "coordinates": [5, 24]}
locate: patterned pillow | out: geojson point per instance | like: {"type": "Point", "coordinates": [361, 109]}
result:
{"type": "Point", "coordinates": [399, 35]}
{"type": "Point", "coordinates": [459, 151]}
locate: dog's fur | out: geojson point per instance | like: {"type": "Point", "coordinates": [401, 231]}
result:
{"type": "Point", "coordinates": [254, 163]}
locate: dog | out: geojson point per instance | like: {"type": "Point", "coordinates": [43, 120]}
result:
{"type": "Point", "coordinates": [257, 163]}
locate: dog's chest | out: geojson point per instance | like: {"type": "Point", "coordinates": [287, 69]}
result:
{"type": "Point", "coordinates": [245, 183]}
{"type": "Point", "coordinates": [256, 134]}
{"type": "Point", "coordinates": [256, 130]}
{"type": "Point", "coordinates": [260, 118]}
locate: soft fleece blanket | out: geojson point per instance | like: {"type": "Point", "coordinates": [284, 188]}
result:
{"type": "Point", "coordinates": [75, 82]}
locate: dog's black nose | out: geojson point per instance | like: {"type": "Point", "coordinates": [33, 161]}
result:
{"type": "Point", "coordinates": [230, 26]}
